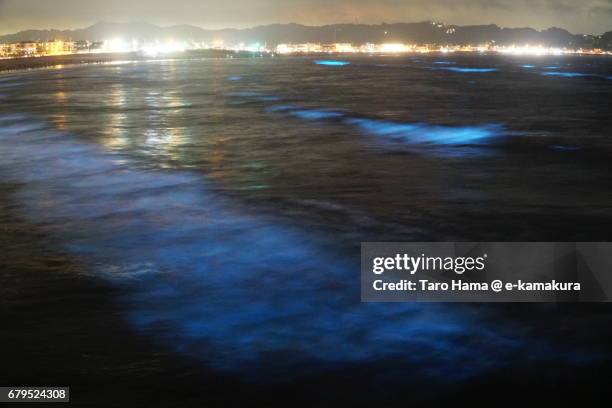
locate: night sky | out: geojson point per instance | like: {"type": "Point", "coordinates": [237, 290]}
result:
{"type": "Point", "coordinates": [578, 16]}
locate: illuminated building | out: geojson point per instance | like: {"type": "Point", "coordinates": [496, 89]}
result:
{"type": "Point", "coordinates": [37, 49]}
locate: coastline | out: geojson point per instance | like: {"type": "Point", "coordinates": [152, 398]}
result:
{"type": "Point", "coordinates": [28, 63]}
{"type": "Point", "coordinates": [60, 61]}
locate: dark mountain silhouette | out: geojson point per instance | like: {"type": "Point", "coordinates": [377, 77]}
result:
{"type": "Point", "coordinates": [421, 33]}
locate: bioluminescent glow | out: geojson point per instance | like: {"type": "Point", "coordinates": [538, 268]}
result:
{"type": "Point", "coordinates": [254, 96]}
{"type": "Point", "coordinates": [565, 148]}
{"type": "Point", "coordinates": [281, 108]}
{"type": "Point", "coordinates": [528, 66]}
{"type": "Point", "coordinates": [416, 133]}
{"type": "Point", "coordinates": [571, 74]}
{"type": "Point", "coordinates": [218, 283]}
{"type": "Point", "coordinates": [429, 134]}
{"type": "Point", "coordinates": [234, 78]}
{"type": "Point", "coordinates": [316, 114]}
{"type": "Point", "coordinates": [306, 114]}
{"type": "Point", "coordinates": [332, 63]}
{"type": "Point", "coordinates": [465, 70]}
{"type": "Point", "coordinates": [444, 62]}
{"type": "Point", "coordinates": [269, 98]}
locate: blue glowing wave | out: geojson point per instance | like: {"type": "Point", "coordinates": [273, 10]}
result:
{"type": "Point", "coordinates": [330, 63]}
{"type": "Point", "coordinates": [416, 133]}
{"type": "Point", "coordinates": [573, 74]}
{"type": "Point", "coordinates": [255, 96]}
{"type": "Point", "coordinates": [565, 148]}
{"type": "Point", "coordinates": [281, 108]}
{"type": "Point", "coordinates": [217, 283]}
{"type": "Point", "coordinates": [316, 114]}
{"type": "Point", "coordinates": [466, 70]}
{"type": "Point", "coordinates": [429, 134]}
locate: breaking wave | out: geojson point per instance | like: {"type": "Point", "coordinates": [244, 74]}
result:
{"type": "Point", "coordinates": [205, 277]}
{"type": "Point", "coordinates": [420, 133]}
{"type": "Point", "coordinates": [409, 133]}
{"type": "Point", "coordinates": [573, 74]}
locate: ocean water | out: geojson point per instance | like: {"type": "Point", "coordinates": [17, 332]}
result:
{"type": "Point", "coordinates": [227, 199]}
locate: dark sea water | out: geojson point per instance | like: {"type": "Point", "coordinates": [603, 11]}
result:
{"type": "Point", "coordinates": [215, 209]}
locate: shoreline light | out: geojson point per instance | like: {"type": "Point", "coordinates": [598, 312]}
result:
{"type": "Point", "coordinates": [399, 48]}
{"type": "Point", "coordinates": [157, 47]}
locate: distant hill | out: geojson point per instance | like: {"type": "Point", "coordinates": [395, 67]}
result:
{"type": "Point", "coordinates": [422, 33]}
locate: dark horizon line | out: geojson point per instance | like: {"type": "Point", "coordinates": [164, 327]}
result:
{"type": "Point", "coordinates": [290, 23]}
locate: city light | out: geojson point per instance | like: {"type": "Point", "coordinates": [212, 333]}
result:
{"type": "Point", "coordinates": [399, 48]}
{"type": "Point", "coordinates": [169, 47]}
{"type": "Point", "coordinates": [116, 45]}
{"type": "Point", "coordinates": [394, 48]}
{"type": "Point", "coordinates": [531, 50]}
{"type": "Point", "coordinates": [157, 47]}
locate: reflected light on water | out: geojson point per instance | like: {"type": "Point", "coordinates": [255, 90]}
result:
{"type": "Point", "coordinates": [60, 97]}
{"type": "Point", "coordinates": [115, 128]}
